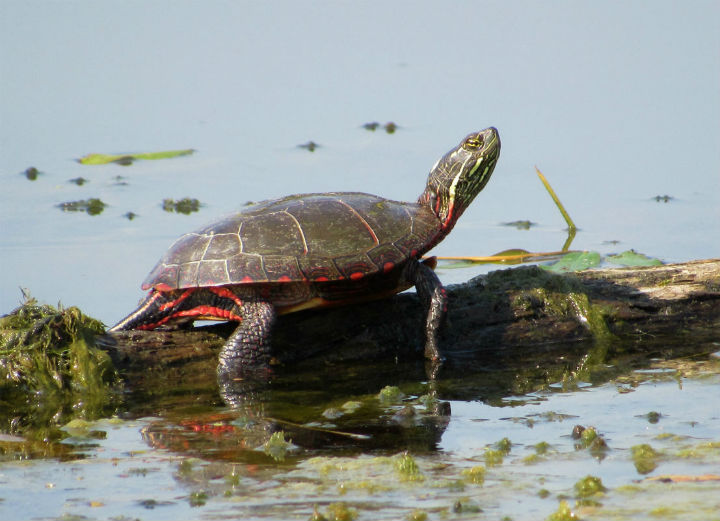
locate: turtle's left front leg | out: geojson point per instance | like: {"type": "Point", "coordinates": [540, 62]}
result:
{"type": "Point", "coordinates": [248, 348]}
{"type": "Point", "coordinates": [434, 299]}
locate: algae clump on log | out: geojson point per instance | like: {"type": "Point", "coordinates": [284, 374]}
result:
{"type": "Point", "coordinates": [48, 359]}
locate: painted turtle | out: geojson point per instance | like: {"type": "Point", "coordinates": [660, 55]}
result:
{"type": "Point", "coordinates": [313, 250]}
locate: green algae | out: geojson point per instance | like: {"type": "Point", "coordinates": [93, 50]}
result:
{"type": "Point", "coordinates": [407, 468]}
{"type": "Point", "coordinates": [198, 498]}
{"type": "Point", "coordinates": [563, 513]}
{"type": "Point", "coordinates": [186, 205]}
{"type": "Point", "coordinates": [504, 446]}
{"type": "Point", "coordinates": [474, 475]}
{"type": "Point", "coordinates": [335, 512]}
{"type": "Point", "coordinates": [644, 457]}
{"type": "Point", "coordinates": [541, 447]}
{"type": "Point", "coordinates": [277, 446]}
{"type": "Point", "coordinates": [466, 506]}
{"type": "Point", "coordinates": [51, 351]}
{"type": "Point", "coordinates": [561, 297]}
{"type": "Point", "coordinates": [390, 394]}
{"type": "Point", "coordinates": [588, 436]}
{"type": "Point", "coordinates": [701, 451]}
{"type": "Point", "coordinates": [92, 206]}
{"type": "Point", "coordinates": [493, 457]}
{"type": "Point", "coordinates": [531, 459]}
{"type": "Point", "coordinates": [589, 486]}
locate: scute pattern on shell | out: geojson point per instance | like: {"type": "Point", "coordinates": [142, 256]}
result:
{"type": "Point", "coordinates": [306, 237]}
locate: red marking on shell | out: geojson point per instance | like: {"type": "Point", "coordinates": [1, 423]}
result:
{"type": "Point", "coordinates": [388, 266]}
{"type": "Point", "coordinates": [321, 279]}
{"type": "Point", "coordinates": [247, 279]}
{"type": "Point", "coordinates": [283, 278]}
{"type": "Point", "coordinates": [413, 253]}
{"type": "Point", "coordinates": [356, 276]}
{"type": "Point", "coordinates": [162, 287]}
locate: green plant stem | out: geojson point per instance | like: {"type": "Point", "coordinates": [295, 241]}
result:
{"type": "Point", "coordinates": [566, 216]}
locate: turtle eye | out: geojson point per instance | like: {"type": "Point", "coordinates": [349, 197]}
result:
{"type": "Point", "coordinates": [473, 143]}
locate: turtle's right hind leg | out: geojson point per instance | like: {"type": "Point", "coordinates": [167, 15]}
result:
{"type": "Point", "coordinates": [247, 351]}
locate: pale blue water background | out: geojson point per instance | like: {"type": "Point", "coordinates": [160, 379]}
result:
{"type": "Point", "coordinates": [615, 101]}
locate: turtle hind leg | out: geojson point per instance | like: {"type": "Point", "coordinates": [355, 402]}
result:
{"type": "Point", "coordinates": [248, 348]}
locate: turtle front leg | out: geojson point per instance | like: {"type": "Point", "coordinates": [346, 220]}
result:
{"type": "Point", "coordinates": [434, 298]}
{"type": "Point", "coordinates": [248, 348]}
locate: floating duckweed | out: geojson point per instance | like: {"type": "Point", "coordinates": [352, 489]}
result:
{"type": "Point", "coordinates": [588, 439]}
{"type": "Point", "coordinates": [504, 445]}
{"type": "Point", "coordinates": [563, 513]}
{"type": "Point", "coordinates": [92, 206]}
{"type": "Point", "coordinates": [475, 474]}
{"type": "Point", "coordinates": [316, 515]}
{"type": "Point", "coordinates": [700, 450]}
{"type": "Point", "coordinates": [390, 394]}
{"type": "Point", "coordinates": [417, 515]}
{"type": "Point", "coordinates": [493, 457]}
{"type": "Point", "coordinates": [185, 205]}
{"type": "Point", "coordinates": [466, 506]}
{"type": "Point", "coordinates": [197, 498]}
{"type": "Point", "coordinates": [455, 485]}
{"type": "Point", "coordinates": [277, 447]}
{"type": "Point", "coordinates": [543, 493]}
{"type": "Point", "coordinates": [589, 486]}
{"type": "Point", "coordinates": [185, 468]}
{"type": "Point", "coordinates": [530, 459]}
{"type": "Point", "coordinates": [31, 173]}
{"type": "Point", "coordinates": [542, 447]}
{"type": "Point", "coordinates": [588, 436]}
{"type": "Point", "coordinates": [669, 436]}
{"type": "Point", "coordinates": [428, 401]}
{"type": "Point", "coordinates": [408, 468]}
{"type": "Point", "coordinates": [653, 417]}
{"type": "Point", "coordinates": [351, 406]}
{"type": "Point", "coordinates": [335, 512]}
{"type": "Point", "coordinates": [390, 127]}
{"type": "Point", "coordinates": [666, 512]}
{"type": "Point", "coordinates": [644, 457]}
{"type": "Point", "coordinates": [233, 479]}
{"type": "Point", "coordinates": [332, 413]}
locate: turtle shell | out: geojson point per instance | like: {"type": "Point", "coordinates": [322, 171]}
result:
{"type": "Point", "coordinates": [300, 238]}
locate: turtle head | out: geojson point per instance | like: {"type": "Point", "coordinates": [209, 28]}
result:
{"type": "Point", "coordinates": [460, 174]}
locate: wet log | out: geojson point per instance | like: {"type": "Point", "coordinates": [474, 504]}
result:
{"type": "Point", "coordinates": [504, 315]}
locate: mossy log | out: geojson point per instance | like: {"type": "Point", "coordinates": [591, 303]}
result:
{"type": "Point", "coordinates": [507, 314]}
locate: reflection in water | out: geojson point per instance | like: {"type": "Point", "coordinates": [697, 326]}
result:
{"type": "Point", "coordinates": [328, 410]}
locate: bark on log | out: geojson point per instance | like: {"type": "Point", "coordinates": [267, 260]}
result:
{"type": "Point", "coordinates": [506, 314]}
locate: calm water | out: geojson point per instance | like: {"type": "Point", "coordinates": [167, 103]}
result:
{"type": "Point", "coordinates": [617, 102]}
